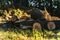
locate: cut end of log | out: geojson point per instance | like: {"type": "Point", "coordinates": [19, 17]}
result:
{"type": "Point", "coordinates": [37, 25]}
{"type": "Point", "coordinates": [51, 25]}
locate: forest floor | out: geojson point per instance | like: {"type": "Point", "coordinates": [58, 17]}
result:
{"type": "Point", "coordinates": [14, 33]}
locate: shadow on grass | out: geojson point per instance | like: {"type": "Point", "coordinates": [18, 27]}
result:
{"type": "Point", "coordinates": [9, 27]}
{"type": "Point", "coordinates": [12, 27]}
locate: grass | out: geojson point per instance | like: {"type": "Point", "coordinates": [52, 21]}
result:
{"type": "Point", "coordinates": [17, 36]}
{"type": "Point", "coordinates": [27, 35]}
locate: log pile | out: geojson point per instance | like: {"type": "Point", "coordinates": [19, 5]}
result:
{"type": "Point", "coordinates": [34, 13]}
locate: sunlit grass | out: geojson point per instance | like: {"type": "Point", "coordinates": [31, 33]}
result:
{"type": "Point", "coordinates": [27, 35]}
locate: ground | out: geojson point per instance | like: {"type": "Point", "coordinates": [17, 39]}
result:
{"type": "Point", "coordinates": [7, 33]}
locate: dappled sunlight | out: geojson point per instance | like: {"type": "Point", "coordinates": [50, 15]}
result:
{"type": "Point", "coordinates": [10, 14]}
